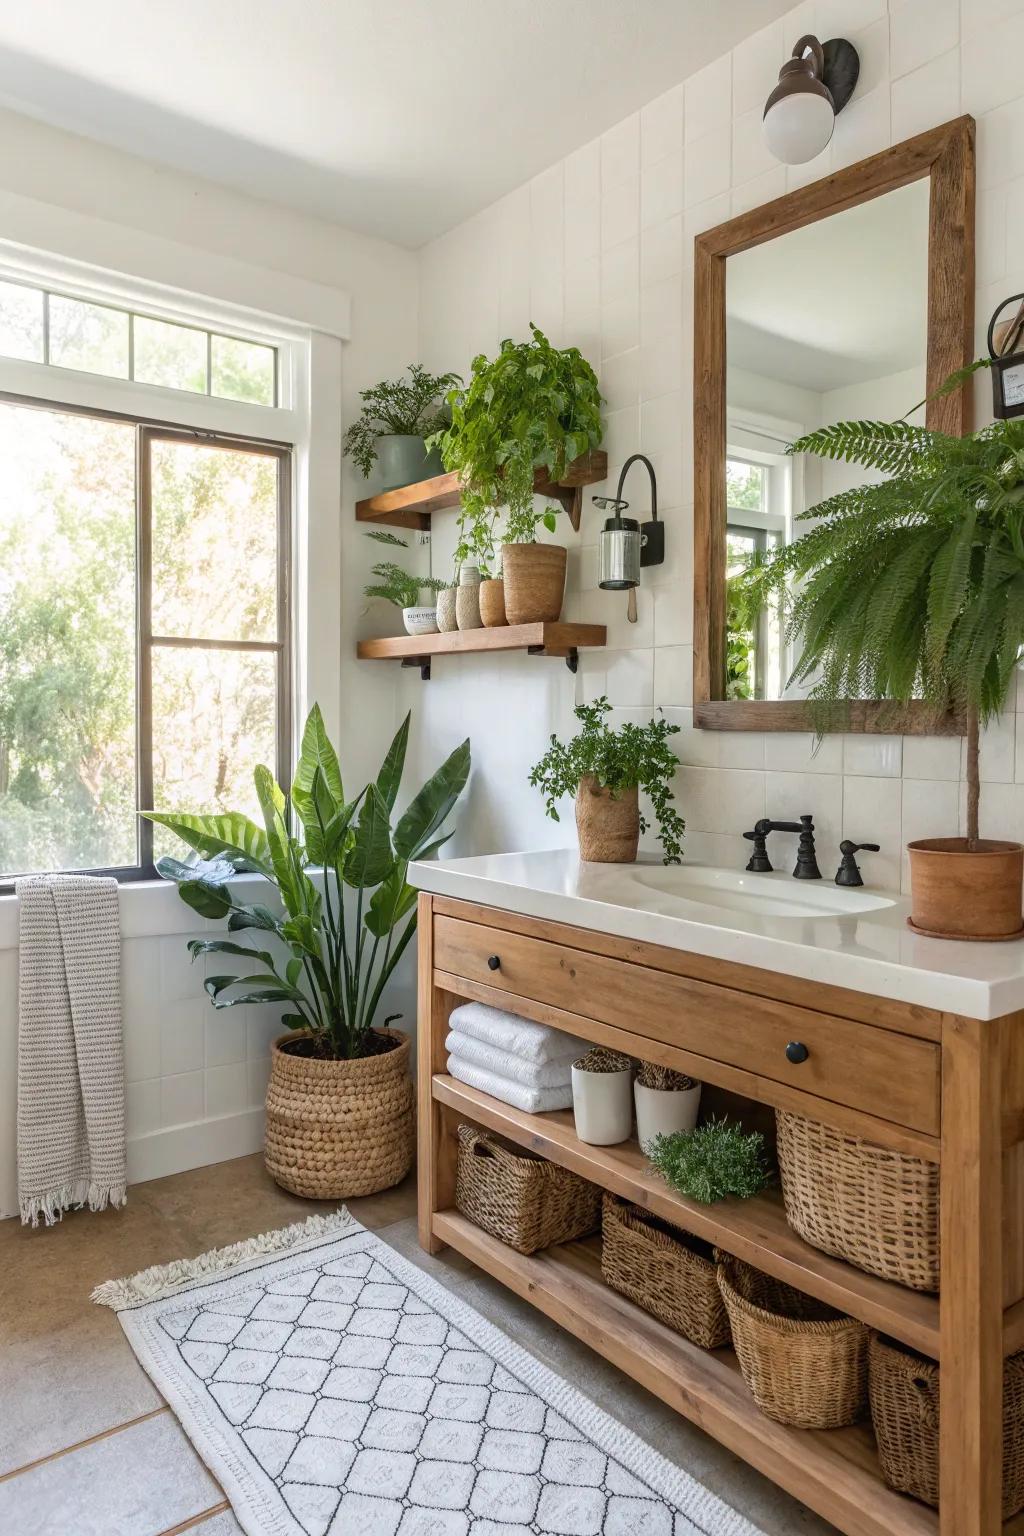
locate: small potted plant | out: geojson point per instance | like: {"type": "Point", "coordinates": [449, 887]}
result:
{"type": "Point", "coordinates": [394, 585]}
{"type": "Point", "coordinates": [605, 769]}
{"type": "Point", "coordinates": [666, 1101]}
{"type": "Point", "coordinates": [340, 920]}
{"type": "Point", "coordinates": [715, 1160]}
{"type": "Point", "coordinates": [602, 1097]}
{"type": "Point", "coordinates": [396, 417]}
{"type": "Point", "coordinates": [912, 588]}
{"type": "Point", "coordinates": [475, 552]}
{"type": "Point", "coordinates": [532, 405]}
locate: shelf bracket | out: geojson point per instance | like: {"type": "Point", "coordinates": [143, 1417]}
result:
{"type": "Point", "coordinates": [423, 662]}
{"type": "Point", "coordinates": [572, 655]}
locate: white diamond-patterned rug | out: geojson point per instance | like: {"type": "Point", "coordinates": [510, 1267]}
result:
{"type": "Point", "coordinates": [334, 1389]}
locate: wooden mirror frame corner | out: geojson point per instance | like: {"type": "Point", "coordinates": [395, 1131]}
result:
{"type": "Point", "coordinates": [946, 156]}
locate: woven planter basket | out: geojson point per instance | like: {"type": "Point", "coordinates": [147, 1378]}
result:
{"type": "Point", "coordinates": [875, 1208]}
{"type": "Point", "coordinates": [904, 1390]}
{"type": "Point", "coordinates": [805, 1363]}
{"type": "Point", "coordinates": [339, 1128]}
{"type": "Point", "coordinates": [668, 1273]}
{"type": "Point", "coordinates": [520, 1198]}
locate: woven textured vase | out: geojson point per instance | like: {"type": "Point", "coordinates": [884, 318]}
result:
{"type": "Point", "coordinates": [339, 1128]}
{"type": "Point", "coordinates": [534, 576]}
{"type": "Point", "coordinates": [608, 827]}
{"type": "Point", "coordinates": [447, 619]}
{"type": "Point", "coordinates": [492, 603]}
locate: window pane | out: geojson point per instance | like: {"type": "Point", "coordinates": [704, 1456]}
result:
{"type": "Point", "coordinates": [172, 355]}
{"type": "Point", "coordinates": [242, 370]}
{"type": "Point", "coordinates": [88, 336]}
{"type": "Point", "coordinates": [744, 485]}
{"type": "Point", "coordinates": [214, 720]}
{"type": "Point", "coordinates": [67, 642]}
{"type": "Point", "coordinates": [214, 521]}
{"type": "Point", "coordinates": [21, 322]}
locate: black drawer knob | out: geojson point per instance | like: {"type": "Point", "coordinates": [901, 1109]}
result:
{"type": "Point", "coordinates": [796, 1052]}
{"type": "Point", "coordinates": [493, 963]}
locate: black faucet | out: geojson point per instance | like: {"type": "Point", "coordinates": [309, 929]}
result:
{"type": "Point", "coordinates": [806, 863]}
{"type": "Point", "coordinates": [848, 872]}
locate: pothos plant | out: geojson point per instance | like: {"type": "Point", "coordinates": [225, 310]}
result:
{"type": "Point", "coordinates": [533, 405]}
{"type": "Point", "coordinates": [634, 756]}
{"type": "Point", "coordinates": [410, 407]}
{"type": "Point", "coordinates": [346, 911]}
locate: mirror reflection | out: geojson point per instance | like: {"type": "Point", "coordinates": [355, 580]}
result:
{"type": "Point", "coordinates": [826, 323]}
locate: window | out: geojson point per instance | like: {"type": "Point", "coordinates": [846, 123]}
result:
{"type": "Point", "coordinates": [754, 524]}
{"type": "Point", "coordinates": [143, 628]}
{"type": "Point", "coordinates": [39, 326]}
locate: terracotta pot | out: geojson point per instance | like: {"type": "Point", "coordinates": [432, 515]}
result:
{"type": "Point", "coordinates": [492, 603]}
{"type": "Point", "coordinates": [534, 576]}
{"type": "Point", "coordinates": [339, 1128]}
{"type": "Point", "coordinates": [467, 598]}
{"type": "Point", "coordinates": [447, 618]}
{"type": "Point", "coordinates": [609, 829]}
{"type": "Point", "coordinates": [961, 893]}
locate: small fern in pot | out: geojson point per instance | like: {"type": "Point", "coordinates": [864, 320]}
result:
{"type": "Point", "coordinates": [912, 588]}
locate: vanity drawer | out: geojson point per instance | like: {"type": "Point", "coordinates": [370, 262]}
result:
{"type": "Point", "coordinates": [892, 1076]}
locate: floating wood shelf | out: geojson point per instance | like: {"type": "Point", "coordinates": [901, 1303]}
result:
{"type": "Point", "coordinates": [755, 1230]}
{"type": "Point", "coordinates": [411, 505]}
{"type": "Point", "coordinates": [538, 639]}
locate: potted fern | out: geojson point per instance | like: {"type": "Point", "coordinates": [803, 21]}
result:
{"type": "Point", "coordinates": [395, 585]}
{"type": "Point", "coordinates": [533, 405]}
{"type": "Point", "coordinates": [912, 588]}
{"type": "Point", "coordinates": [396, 416]}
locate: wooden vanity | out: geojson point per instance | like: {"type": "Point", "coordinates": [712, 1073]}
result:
{"type": "Point", "coordinates": [939, 1085]}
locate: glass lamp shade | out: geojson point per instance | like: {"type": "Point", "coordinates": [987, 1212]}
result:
{"type": "Point", "coordinates": [798, 126]}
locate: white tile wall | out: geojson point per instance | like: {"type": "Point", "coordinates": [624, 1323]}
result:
{"type": "Point", "coordinates": [631, 204]}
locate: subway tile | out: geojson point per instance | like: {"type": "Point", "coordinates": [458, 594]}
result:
{"type": "Point", "coordinates": [996, 755]}
{"type": "Point", "coordinates": [582, 231]}
{"type": "Point", "coordinates": [620, 214]}
{"type": "Point", "coordinates": [702, 216]}
{"type": "Point", "coordinates": [1000, 148]}
{"type": "Point", "coordinates": [803, 752]}
{"type": "Point", "coordinates": [750, 154]}
{"type": "Point", "coordinates": [873, 755]}
{"type": "Point", "coordinates": [872, 813]}
{"type": "Point", "coordinates": [863, 128]}
{"type": "Point", "coordinates": [258, 1075]}
{"type": "Point", "coordinates": [720, 799]}
{"type": "Point", "coordinates": [661, 126]}
{"type": "Point", "coordinates": [991, 236]}
{"type": "Point", "coordinates": [756, 62]}
{"type": "Point", "coordinates": [663, 366]}
{"type": "Point", "coordinates": [928, 96]}
{"type": "Point", "coordinates": [930, 808]}
{"type": "Point", "coordinates": [661, 311]}
{"type": "Point", "coordinates": [921, 30]}
{"type": "Point", "coordinates": [741, 749]}
{"type": "Point", "coordinates": [694, 748]}
{"type": "Point", "coordinates": [661, 251]}
{"type": "Point", "coordinates": [620, 378]}
{"type": "Point", "coordinates": [1000, 811]}
{"type": "Point", "coordinates": [582, 175]}
{"type": "Point", "coordinates": [224, 1031]}
{"type": "Point", "coordinates": [871, 40]}
{"type": "Point", "coordinates": [848, 18]}
{"type": "Point", "coordinates": [181, 1099]}
{"type": "Point", "coordinates": [707, 167]}
{"type": "Point", "coordinates": [931, 757]}
{"type": "Point", "coordinates": [762, 189]}
{"type": "Point", "coordinates": [673, 675]}
{"type": "Point", "coordinates": [631, 677]}
{"type": "Point", "coordinates": [227, 1091]}
{"type": "Point", "coordinates": [788, 796]}
{"type": "Point", "coordinates": [708, 105]}
{"type": "Point", "coordinates": [142, 1108]}
{"type": "Point", "coordinates": [661, 190]}
{"type": "Point", "coordinates": [182, 1027]}
{"type": "Point", "coordinates": [180, 977]}
{"type": "Point", "coordinates": [673, 616]}
{"type": "Point", "coordinates": [262, 1027]}
{"type": "Point", "coordinates": [620, 153]}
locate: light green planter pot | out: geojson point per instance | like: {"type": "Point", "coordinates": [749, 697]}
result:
{"type": "Point", "coordinates": [403, 460]}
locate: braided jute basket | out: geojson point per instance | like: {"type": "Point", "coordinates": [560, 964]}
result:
{"type": "Point", "coordinates": [339, 1128]}
{"type": "Point", "coordinates": [667, 1272]}
{"type": "Point", "coordinates": [519, 1197]}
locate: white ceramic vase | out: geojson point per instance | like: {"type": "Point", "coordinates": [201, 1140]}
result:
{"type": "Point", "coordinates": [420, 621]}
{"type": "Point", "coordinates": [663, 1111]}
{"type": "Point", "coordinates": [602, 1103]}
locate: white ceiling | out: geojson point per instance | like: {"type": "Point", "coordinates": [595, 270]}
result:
{"type": "Point", "coordinates": [396, 117]}
{"type": "Point", "coordinates": [838, 302]}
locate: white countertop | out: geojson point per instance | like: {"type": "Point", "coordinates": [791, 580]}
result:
{"type": "Point", "coordinates": [867, 951]}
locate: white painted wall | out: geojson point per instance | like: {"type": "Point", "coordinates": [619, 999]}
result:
{"type": "Point", "coordinates": [598, 251]}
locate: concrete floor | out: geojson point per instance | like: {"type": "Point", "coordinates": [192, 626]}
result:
{"type": "Point", "coordinates": [87, 1447]}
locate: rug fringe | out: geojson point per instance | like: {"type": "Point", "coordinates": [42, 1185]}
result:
{"type": "Point", "coordinates": [164, 1279]}
{"type": "Point", "coordinates": [51, 1206]}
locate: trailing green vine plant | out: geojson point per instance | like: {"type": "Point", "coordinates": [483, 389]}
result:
{"type": "Point", "coordinates": [532, 405]}
{"type": "Point", "coordinates": [632, 756]}
{"type": "Point", "coordinates": [410, 407]}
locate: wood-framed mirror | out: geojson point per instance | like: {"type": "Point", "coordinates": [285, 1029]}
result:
{"type": "Point", "coordinates": [851, 297]}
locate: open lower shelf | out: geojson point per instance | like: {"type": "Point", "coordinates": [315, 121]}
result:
{"type": "Point", "coordinates": [410, 506]}
{"type": "Point", "coordinates": [755, 1230]}
{"type": "Point", "coordinates": [565, 640]}
{"type": "Point", "coordinates": [833, 1471]}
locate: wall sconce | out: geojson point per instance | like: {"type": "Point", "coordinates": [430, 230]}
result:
{"type": "Point", "coordinates": [814, 85]}
{"type": "Point", "coordinates": [625, 546]}
{"type": "Point", "coordinates": [1006, 349]}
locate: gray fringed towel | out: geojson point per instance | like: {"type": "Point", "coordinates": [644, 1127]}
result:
{"type": "Point", "coordinates": [71, 1134]}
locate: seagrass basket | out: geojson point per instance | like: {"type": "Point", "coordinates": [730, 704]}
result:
{"type": "Point", "coordinates": [667, 1272]}
{"type": "Point", "coordinates": [873, 1207]}
{"type": "Point", "coordinates": [520, 1198]}
{"type": "Point", "coordinates": [804, 1363]}
{"type": "Point", "coordinates": [339, 1128]}
{"type": "Point", "coordinates": [904, 1392]}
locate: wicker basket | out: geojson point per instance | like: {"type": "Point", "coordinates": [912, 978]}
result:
{"type": "Point", "coordinates": [805, 1364]}
{"type": "Point", "coordinates": [339, 1128]}
{"type": "Point", "coordinates": [904, 1390]}
{"type": "Point", "coordinates": [520, 1198]}
{"type": "Point", "coordinates": [667, 1272]}
{"type": "Point", "coordinates": [875, 1208]}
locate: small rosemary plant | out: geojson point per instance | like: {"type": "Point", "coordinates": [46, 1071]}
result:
{"type": "Point", "coordinates": [713, 1161]}
{"type": "Point", "coordinates": [632, 756]}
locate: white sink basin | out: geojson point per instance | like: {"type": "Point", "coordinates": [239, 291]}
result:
{"type": "Point", "coordinates": [775, 895]}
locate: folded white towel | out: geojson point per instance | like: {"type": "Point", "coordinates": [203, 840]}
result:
{"type": "Point", "coordinates": [508, 1032]}
{"type": "Point", "coordinates": [531, 1074]}
{"type": "Point", "coordinates": [533, 1101]}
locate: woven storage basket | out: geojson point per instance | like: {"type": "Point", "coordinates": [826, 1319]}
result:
{"type": "Point", "coordinates": [875, 1208]}
{"type": "Point", "coordinates": [668, 1273]}
{"type": "Point", "coordinates": [904, 1390]}
{"type": "Point", "coordinates": [339, 1128]}
{"type": "Point", "coordinates": [520, 1198]}
{"type": "Point", "coordinates": [804, 1363]}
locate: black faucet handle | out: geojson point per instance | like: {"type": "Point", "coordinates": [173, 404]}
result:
{"type": "Point", "coordinates": [848, 872]}
{"type": "Point", "coordinates": [848, 848]}
{"type": "Point", "coordinates": [759, 862]}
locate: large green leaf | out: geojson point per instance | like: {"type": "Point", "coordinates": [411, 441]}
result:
{"type": "Point", "coordinates": [302, 931]}
{"type": "Point", "coordinates": [217, 871]}
{"type": "Point", "coordinates": [230, 833]}
{"type": "Point", "coordinates": [370, 859]}
{"type": "Point", "coordinates": [317, 783]}
{"type": "Point", "coordinates": [390, 775]}
{"type": "Point", "coordinates": [390, 902]}
{"type": "Point", "coordinates": [253, 916]}
{"type": "Point", "coordinates": [198, 947]}
{"type": "Point", "coordinates": [336, 833]}
{"type": "Point", "coordinates": [272, 804]}
{"type": "Point", "coordinates": [207, 900]}
{"type": "Point", "coordinates": [427, 812]}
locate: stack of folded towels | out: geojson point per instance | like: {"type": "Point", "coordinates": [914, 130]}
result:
{"type": "Point", "coordinates": [524, 1064]}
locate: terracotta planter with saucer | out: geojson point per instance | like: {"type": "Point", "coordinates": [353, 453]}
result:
{"type": "Point", "coordinates": [959, 891]}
